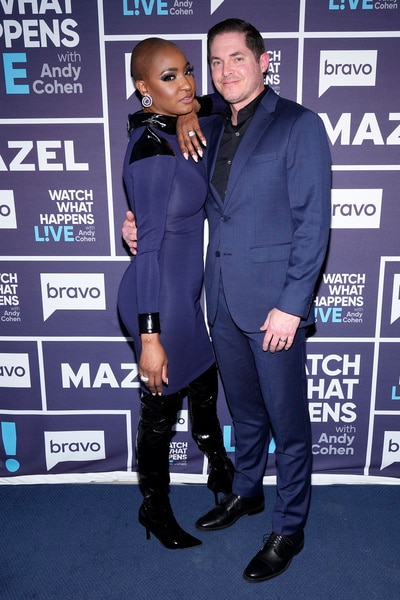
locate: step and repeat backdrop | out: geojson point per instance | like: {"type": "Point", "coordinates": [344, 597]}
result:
{"type": "Point", "coordinates": [68, 376]}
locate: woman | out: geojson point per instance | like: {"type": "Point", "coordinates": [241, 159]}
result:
{"type": "Point", "coordinates": [159, 296]}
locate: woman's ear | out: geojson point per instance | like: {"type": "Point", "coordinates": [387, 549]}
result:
{"type": "Point", "coordinates": [141, 87]}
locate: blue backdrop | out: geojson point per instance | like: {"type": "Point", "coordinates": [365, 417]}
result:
{"type": "Point", "coordinates": [68, 378]}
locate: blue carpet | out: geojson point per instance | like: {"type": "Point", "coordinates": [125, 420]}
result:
{"type": "Point", "coordinates": [83, 542]}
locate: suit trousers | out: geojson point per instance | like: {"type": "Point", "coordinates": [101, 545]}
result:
{"type": "Point", "coordinates": [267, 395]}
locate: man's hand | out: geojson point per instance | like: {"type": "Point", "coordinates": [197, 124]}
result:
{"type": "Point", "coordinates": [129, 232]}
{"type": "Point", "coordinates": [280, 329]}
{"type": "Point", "coordinates": [190, 136]}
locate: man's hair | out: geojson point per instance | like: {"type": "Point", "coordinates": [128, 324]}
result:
{"type": "Point", "coordinates": [253, 38]}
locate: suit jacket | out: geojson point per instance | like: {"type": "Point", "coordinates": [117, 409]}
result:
{"type": "Point", "coordinates": [268, 238]}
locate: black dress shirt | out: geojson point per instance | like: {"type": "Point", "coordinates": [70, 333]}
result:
{"type": "Point", "coordinates": [230, 142]}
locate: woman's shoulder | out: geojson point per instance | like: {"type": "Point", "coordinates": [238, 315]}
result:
{"type": "Point", "coordinates": [150, 144]}
{"type": "Point", "coordinates": [147, 138]}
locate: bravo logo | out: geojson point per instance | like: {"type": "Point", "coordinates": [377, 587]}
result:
{"type": "Point", "coordinates": [8, 219]}
{"type": "Point", "coordinates": [129, 85]}
{"type": "Point", "coordinates": [182, 421]}
{"type": "Point", "coordinates": [65, 446]}
{"type": "Point", "coordinates": [356, 208]}
{"type": "Point", "coordinates": [346, 68]}
{"type": "Point", "coordinates": [215, 4]}
{"type": "Point", "coordinates": [391, 449]}
{"type": "Point", "coordinates": [395, 311]}
{"type": "Point", "coordinates": [72, 291]}
{"type": "Point", "coordinates": [14, 370]}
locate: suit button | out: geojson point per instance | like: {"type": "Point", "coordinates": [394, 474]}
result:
{"type": "Point", "coordinates": [218, 253]}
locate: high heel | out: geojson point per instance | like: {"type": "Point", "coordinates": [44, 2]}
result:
{"type": "Point", "coordinates": [157, 417]}
{"type": "Point", "coordinates": [160, 521]}
{"type": "Point", "coordinates": [221, 475]}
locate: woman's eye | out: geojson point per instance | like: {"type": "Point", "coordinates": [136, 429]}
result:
{"type": "Point", "coordinates": [168, 78]}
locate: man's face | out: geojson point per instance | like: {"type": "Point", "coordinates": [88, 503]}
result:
{"type": "Point", "coordinates": [236, 74]}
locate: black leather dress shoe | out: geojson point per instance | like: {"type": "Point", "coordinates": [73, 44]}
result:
{"type": "Point", "coordinates": [230, 509]}
{"type": "Point", "coordinates": [274, 557]}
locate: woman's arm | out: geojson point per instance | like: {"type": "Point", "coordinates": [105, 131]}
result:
{"type": "Point", "coordinates": [148, 183]}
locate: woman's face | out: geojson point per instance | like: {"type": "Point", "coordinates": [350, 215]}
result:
{"type": "Point", "coordinates": [169, 81]}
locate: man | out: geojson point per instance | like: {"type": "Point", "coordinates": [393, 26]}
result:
{"type": "Point", "coordinates": [268, 209]}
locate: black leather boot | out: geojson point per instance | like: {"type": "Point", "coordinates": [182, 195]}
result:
{"type": "Point", "coordinates": [206, 431]}
{"type": "Point", "coordinates": [157, 417]}
{"type": "Point", "coordinates": [155, 514]}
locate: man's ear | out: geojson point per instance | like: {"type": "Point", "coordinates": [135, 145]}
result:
{"type": "Point", "coordinates": [264, 62]}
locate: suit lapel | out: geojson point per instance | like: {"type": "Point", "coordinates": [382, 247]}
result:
{"type": "Point", "coordinates": [213, 147]}
{"type": "Point", "coordinates": [260, 122]}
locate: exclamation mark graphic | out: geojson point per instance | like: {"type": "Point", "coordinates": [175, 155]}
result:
{"type": "Point", "coordinates": [9, 434]}
{"type": "Point", "coordinates": [137, 11]}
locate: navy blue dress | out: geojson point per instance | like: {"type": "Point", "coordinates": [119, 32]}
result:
{"type": "Point", "coordinates": [167, 195]}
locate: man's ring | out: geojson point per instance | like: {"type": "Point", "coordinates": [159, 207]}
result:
{"type": "Point", "coordinates": [191, 133]}
{"type": "Point", "coordinates": [283, 341]}
{"type": "Point", "coordinates": [144, 379]}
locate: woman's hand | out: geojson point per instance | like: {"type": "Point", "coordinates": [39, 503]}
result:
{"type": "Point", "coordinates": [153, 364]}
{"type": "Point", "coordinates": [190, 137]}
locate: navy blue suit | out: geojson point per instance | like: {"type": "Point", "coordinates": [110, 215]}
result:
{"type": "Point", "coordinates": [268, 240]}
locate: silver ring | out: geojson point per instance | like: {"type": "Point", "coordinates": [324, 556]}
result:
{"type": "Point", "coordinates": [191, 133]}
{"type": "Point", "coordinates": [283, 341]}
{"type": "Point", "coordinates": [144, 379]}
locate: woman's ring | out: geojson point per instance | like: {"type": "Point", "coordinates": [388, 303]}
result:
{"type": "Point", "coordinates": [283, 341]}
{"type": "Point", "coordinates": [191, 133]}
{"type": "Point", "coordinates": [144, 379]}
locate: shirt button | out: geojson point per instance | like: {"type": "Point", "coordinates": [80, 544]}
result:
{"type": "Point", "coordinates": [237, 134]}
{"type": "Point", "coordinates": [229, 162]}
{"type": "Point", "coordinates": [218, 253]}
